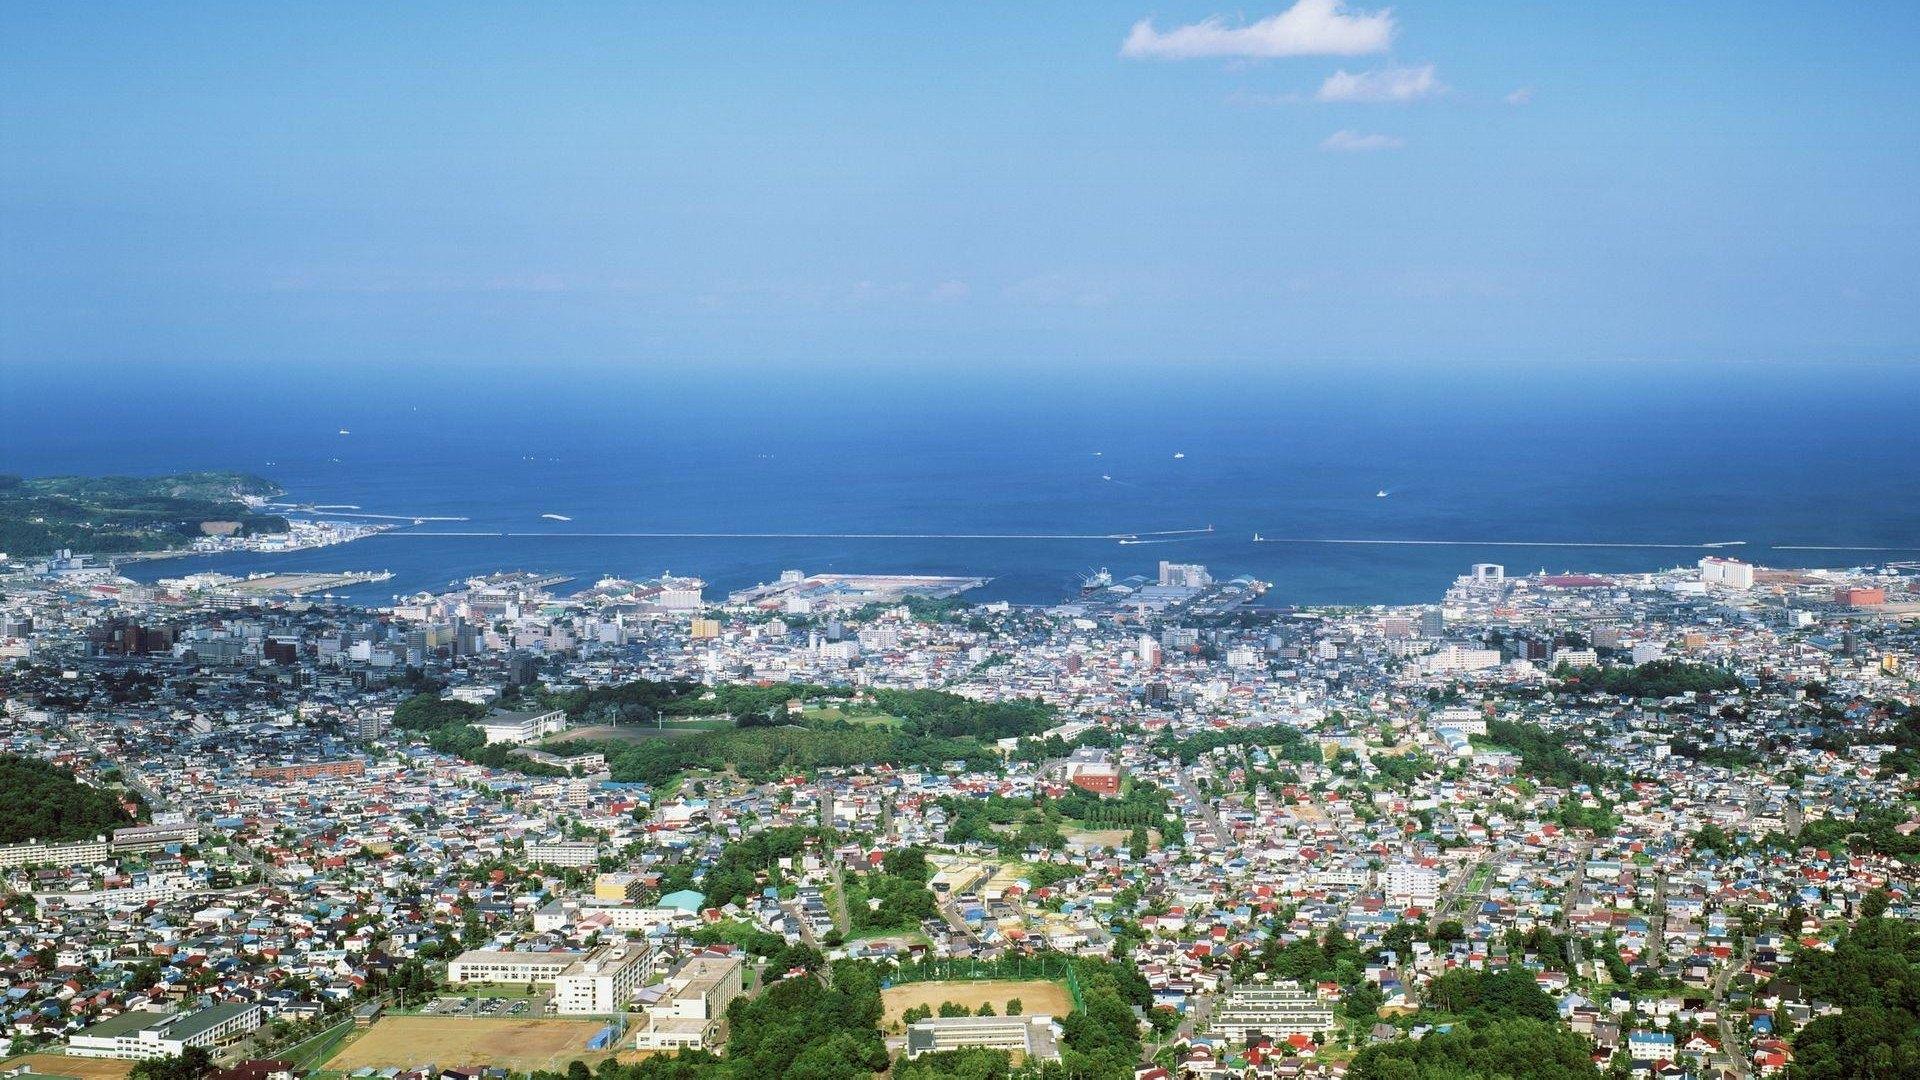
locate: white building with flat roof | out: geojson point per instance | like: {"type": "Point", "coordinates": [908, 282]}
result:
{"type": "Point", "coordinates": [497, 966]}
{"type": "Point", "coordinates": [563, 853]}
{"type": "Point", "coordinates": [1277, 1011]}
{"type": "Point", "coordinates": [70, 853]}
{"type": "Point", "coordinates": [1730, 573]}
{"type": "Point", "coordinates": [141, 1035]}
{"type": "Point", "coordinates": [604, 980]}
{"type": "Point", "coordinates": [521, 727]}
{"type": "Point", "coordinates": [696, 999]}
{"type": "Point", "coordinates": [1411, 883]}
{"type": "Point", "coordinates": [1036, 1037]}
{"type": "Point", "coordinates": [592, 983]}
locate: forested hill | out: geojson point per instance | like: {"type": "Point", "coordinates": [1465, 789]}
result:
{"type": "Point", "coordinates": [43, 802]}
{"type": "Point", "coordinates": [108, 514]}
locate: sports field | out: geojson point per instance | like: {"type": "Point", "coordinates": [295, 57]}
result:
{"type": "Point", "coordinates": [1036, 996]}
{"type": "Point", "coordinates": [62, 1065]}
{"type": "Point", "coordinates": [402, 1042]}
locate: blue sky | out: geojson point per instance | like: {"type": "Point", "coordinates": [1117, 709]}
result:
{"type": "Point", "coordinates": [973, 185]}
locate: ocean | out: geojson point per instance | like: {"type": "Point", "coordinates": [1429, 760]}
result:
{"type": "Point", "coordinates": [1478, 461]}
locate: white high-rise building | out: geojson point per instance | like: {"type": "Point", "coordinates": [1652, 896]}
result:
{"type": "Point", "coordinates": [1411, 884]}
{"type": "Point", "coordinates": [1184, 575]}
{"type": "Point", "coordinates": [1731, 573]}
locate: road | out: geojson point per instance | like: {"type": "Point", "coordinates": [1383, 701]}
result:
{"type": "Point", "coordinates": [1454, 891]}
{"type": "Point", "coordinates": [1576, 893]}
{"type": "Point", "coordinates": [1729, 1036]}
{"type": "Point", "coordinates": [841, 921]}
{"type": "Point", "coordinates": [793, 908]}
{"type": "Point", "coordinates": [951, 912]}
{"type": "Point", "coordinates": [1205, 806]}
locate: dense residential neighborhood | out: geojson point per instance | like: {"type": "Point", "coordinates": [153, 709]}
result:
{"type": "Point", "coordinates": [1624, 825]}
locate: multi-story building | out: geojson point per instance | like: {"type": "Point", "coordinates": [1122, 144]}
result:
{"type": "Point", "coordinates": [496, 966]}
{"type": "Point", "coordinates": [73, 853]}
{"type": "Point", "coordinates": [564, 853]}
{"type": "Point", "coordinates": [697, 998]}
{"type": "Point", "coordinates": [603, 981]}
{"type": "Point", "coordinates": [1732, 573]}
{"type": "Point", "coordinates": [311, 769]}
{"type": "Point", "coordinates": [584, 983]}
{"type": "Point", "coordinates": [140, 1035]}
{"type": "Point", "coordinates": [1037, 1036]}
{"type": "Point", "coordinates": [1279, 1010]}
{"type": "Point", "coordinates": [521, 727]}
{"type": "Point", "coordinates": [1411, 883]}
{"type": "Point", "coordinates": [153, 837]}
{"type": "Point", "coordinates": [1449, 658]}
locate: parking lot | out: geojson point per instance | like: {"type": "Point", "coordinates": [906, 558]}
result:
{"type": "Point", "coordinates": [485, 1006]}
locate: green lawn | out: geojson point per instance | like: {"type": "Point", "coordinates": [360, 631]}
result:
{"type": "Point", "coordinates": [311, 1052]}
{"type": "Point", "coordinates": [830, 713]}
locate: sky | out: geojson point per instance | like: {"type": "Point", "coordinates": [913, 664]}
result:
{"type": "Point", "coordinates": [972, 186]}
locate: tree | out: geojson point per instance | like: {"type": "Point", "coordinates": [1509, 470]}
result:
{"type": "Point", "coordinates": [195, 1063]}
{"type": "Point", "coordinates": [1014, 1006]}
{"type": "Point", "coordinates": [1512, 1047]}
{"type": "Point", "coordinates": [39, 801]}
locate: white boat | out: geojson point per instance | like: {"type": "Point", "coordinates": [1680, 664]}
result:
{"type": "Point", "coordinates": [1104, 476]}
{"type": "Point", "coordinates": [1381, 494]}
{"type": "Point", "coordinates": [344, 431]}
{"type": "Point", "coordinates": [1178, 455]}
{"type": "Point", "coordinates": [1257, 538]}
{"type": "Point", "coordinates": [556, 517]}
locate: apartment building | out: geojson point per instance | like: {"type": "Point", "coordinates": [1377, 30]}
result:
{"type": "Point", "coordinates": [1036, 1037]}
{"type": "Point", "coordinates": [1278, 1010]}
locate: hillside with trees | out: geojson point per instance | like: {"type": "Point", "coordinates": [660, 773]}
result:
{"type": "Point", "coordinates": [109, 514]}
{"type": "Point", "coordinates": [43, 802]}
{"type": "Point", "coordinates": [1873, 974]}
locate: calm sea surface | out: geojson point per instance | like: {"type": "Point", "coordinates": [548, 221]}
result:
{"type": "Point", "coordinates": [1483, 454]}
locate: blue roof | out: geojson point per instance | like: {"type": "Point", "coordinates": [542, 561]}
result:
{"type": "Point", "coordinates": [685, 900]}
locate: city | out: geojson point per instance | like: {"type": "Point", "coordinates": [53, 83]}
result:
{"type": "Point", "coordinates": [601, 540]}
{"type": "Point", "coordinates": [1626, 819]}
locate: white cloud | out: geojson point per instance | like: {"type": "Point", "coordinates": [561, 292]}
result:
{"type": "Point", "coordinates": [1353, 142]}
{"type": "Point", "coordinates": [1308, 28]}
{"type": "Point", "coordinates": [1388, 84]}
{"type": "Point", "coordinates": [1522, 96]}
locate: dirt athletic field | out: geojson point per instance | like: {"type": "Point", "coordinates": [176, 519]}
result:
{"type": "Point", "coordinates": [62, 1065]}
{"type": "Point", "coordinates": [402, 1042]}
{"type": "Point", "coordinates": [1036, 996]}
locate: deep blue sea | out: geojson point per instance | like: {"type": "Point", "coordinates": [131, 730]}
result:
{"type": "Point", "coordinates": [1488, 454]}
